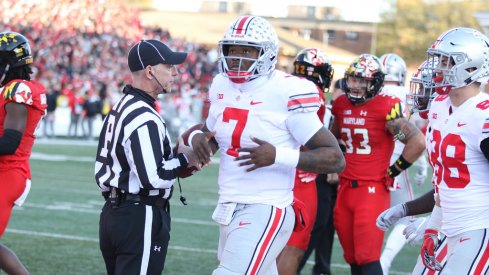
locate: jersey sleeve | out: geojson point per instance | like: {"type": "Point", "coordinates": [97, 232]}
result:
{"type": "Point", "coordinates": [210, 121]}
{"type": "Point", "coordinates": [18, 92]}
{"type": "Point", "coordinates": [395, 108]}
{"type": "Point", "coordinates": [303, 96]}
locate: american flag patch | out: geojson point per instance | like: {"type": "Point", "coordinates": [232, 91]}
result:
{"type": "Point", "coordinates": [485, 126]}
{"type": "Point", "coordinates": [304, 102]}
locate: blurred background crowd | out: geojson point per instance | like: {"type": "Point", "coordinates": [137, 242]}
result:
{"type": "Point", "coordinates": [80, 55]}
{"type": "Point", "coordinates": [80, 46]}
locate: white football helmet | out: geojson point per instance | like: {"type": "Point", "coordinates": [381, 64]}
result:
{"type": "Point", "coordinates": [249, 31]}
{"type": "Point", "coordinates": [420, 95]}
{"type": "Point", "coordinates": [462, 56]}
{"type": "Point", "coordinates": [394, 68]}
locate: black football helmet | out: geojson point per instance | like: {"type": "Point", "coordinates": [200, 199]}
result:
{"type": "Point", "coordinates": [369, 68]}
{"type": "Point", "coordinates": [15, 51]}
{"type": "Point", "coordinates": [314, 65]}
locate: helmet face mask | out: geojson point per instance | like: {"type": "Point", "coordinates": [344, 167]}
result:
{"type": "Point", "coordinates": [364, 78]}
{"type": "Point", "coordinates": [458, 59]}
{"type": "Point", "coordinates": [420, 94]}
{"type": "Point", "coordinates": [248, 31]}
{"type": "Point", "coordinates": [314, 65]}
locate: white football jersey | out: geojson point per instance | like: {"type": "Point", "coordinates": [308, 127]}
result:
{"type": "Point", "coordinates": [280, 109]}
{"type": "Point", "coordinates": [460, 170]}
{"type": "Point", "coordinates": [401, 93]}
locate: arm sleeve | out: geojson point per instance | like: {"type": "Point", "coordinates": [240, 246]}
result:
{"type": "Point", "coordinates": [9, 142]}
{"type": "Point", "coordinates": [145, 154]}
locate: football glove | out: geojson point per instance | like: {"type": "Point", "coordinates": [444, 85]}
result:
{"type": "Point", "coordinates": [390, 216]}
{"type": "Point", "coordinates": [414, 231]}
{"type": "Point", "coordinates": [428, 250]}
{"type": "Point", "coordinates": [305, 176]}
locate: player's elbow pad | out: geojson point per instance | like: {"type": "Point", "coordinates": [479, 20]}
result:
{"type": "Point", "coordinates": [10, 141]}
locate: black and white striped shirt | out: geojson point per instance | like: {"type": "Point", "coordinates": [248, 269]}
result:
{"type": "Point", "coordinates": [135, 150]}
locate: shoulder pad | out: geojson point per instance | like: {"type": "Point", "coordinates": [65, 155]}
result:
{"type": "Point", "coordinates": [19, 92]}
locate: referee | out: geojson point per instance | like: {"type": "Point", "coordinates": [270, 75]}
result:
{"type": "Point", "coordinates": [135, 167]}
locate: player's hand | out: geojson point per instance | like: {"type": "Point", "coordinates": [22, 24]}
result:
{"type": "Point", "coordinates": [390, 216]}
{"type": "Point", "coordinates": [201, 147]}
{"type": "Point", "coordinates": [332, 178]}
{"type": "Point", "coordinates": [428, 250]}
{"type": "Point", "coordinates": [261, 156]}
{"type": "Point", "coordinates": [305, 176]}
{"type": "Point", "coordinates": [193, 161]}
{"type": "Point", "coordinates": [414, 231]}
{"type": "Point", "coordinates": [420, 177]}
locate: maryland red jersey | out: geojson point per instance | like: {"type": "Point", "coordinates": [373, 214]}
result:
{"type": "Point", "coordinates": [33, 95]}
{"type": "Point", "coordinates": [363, 129]}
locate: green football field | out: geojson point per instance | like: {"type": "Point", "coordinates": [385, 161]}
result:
{"type": "Point", "coordinates": [56, 231]}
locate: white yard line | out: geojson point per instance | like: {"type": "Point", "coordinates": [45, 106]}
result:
{"type": "Point", "coordinates": [172, 247]}
{"type": "Point", "coordinates": [72, 207]}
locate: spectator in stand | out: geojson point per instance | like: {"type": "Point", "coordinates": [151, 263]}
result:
{"type": "Point", "coordinates": [52, 94]}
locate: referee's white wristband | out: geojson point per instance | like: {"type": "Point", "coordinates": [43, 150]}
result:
{"type": "Point", "coordinates": [191, 136]}
{"type": "Point", "coordinates": [287, 156]}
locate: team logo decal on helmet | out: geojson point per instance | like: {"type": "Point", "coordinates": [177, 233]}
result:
{"type": "Point", "coordinates": [250, 31]}
{"type": "Point", "coordinates": [314, 65]}
{"type": "Point", "coordinates": [458, 58]}
{"type": "Point", "coordinates": [367, 67]}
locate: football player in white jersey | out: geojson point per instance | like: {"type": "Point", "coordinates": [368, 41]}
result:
{"type": "Point", "coordinates": [259, 117]}
{"type": "Point", "coordinates": [458, 148]}
{"type": "Point", "coordinates": [394, 80]}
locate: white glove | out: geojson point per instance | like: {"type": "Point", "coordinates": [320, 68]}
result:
{"type": "Point", "coordinates": [420, 177]}
{"type": "Point", "coordinates": [421, 170]}
{"type": "Point", "coordinates": [390, 216]}
{"type": "Point", "coordinates": [414, 231]}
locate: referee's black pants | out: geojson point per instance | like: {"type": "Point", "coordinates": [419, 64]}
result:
{"type": "Point", "coordinates": [134, 237]}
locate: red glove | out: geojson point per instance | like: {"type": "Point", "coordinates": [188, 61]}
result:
{"type": "Point", "coordinates": [428, 248]}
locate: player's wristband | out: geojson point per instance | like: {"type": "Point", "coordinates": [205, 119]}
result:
{"type": "Point", "coordinates": [191, 136]}
{"type": "Point", "coordinates": [392, 171]}
{"type": "Point", "coordinates": [287, 156]}
{"type": "Point", "coordinates": [402, 163]}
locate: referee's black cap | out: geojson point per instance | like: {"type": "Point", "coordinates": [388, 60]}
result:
{"type": "Point", "coordinates": [152, 52]}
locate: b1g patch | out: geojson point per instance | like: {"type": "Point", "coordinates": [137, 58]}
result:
{"type": "Point", "coordinates": [395, 112]}
{"type": "Point", "coordinates": [18, 92]}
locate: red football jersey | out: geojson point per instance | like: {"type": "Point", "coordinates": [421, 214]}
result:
{"type": "Point", "coordinates": [369, 144]}
{"type": "Point", "coordinates": [33, 95]}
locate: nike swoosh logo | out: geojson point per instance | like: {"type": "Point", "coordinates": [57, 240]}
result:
{"type": "Point", "coordinates": [244, 223]}
{"type": "Point", "coordinates": [255, 102]}
{"type": "Point", "coordinates": [461, 124]}
{"type": "Point", "coordinates": [464, 239]}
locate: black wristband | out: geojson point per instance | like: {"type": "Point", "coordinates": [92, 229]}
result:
{"type": "Point", "coordinates": [342, 148]}
{"type": "Point", "coordinates": [392, 171]}
{"type": "Point", "coordinates": [402, 163]}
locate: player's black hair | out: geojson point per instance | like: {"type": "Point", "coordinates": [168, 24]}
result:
{"type": "Point", "coordinates": [22, 72]}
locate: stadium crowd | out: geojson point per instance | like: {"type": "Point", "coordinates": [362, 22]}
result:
{"type": "Point", "coordinates": [82, 57]}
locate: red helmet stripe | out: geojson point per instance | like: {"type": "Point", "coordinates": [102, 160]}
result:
{"type": "Point", "coordinates": [241, 24]}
